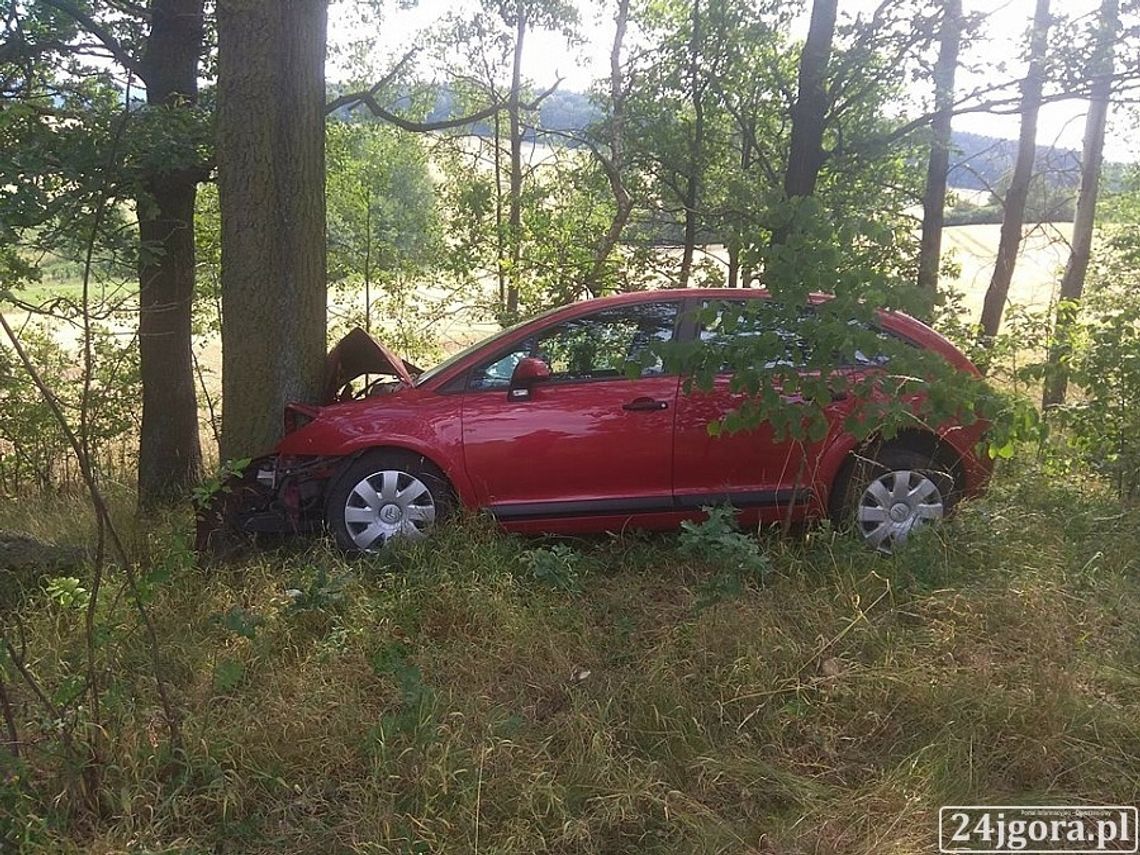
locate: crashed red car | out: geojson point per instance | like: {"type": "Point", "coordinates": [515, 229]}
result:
{"type": "Point", "coordinates": [542, 426]}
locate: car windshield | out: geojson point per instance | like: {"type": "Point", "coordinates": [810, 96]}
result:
{"type": "Point", "coordinates": [436, 370]}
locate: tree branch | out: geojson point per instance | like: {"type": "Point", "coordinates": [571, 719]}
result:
{"type": "Point", "coordinates": [353, 99]}
{"type": "Point", "coordinates": [368, 99]}
{"type": "Point", "coordinates": [113, 45]}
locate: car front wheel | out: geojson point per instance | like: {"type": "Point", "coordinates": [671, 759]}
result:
{"type": "Point", "coordinates": [386, 495]}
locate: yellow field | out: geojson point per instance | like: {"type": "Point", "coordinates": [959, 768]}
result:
{"type": "Point", "coordinates": [1044, 252]}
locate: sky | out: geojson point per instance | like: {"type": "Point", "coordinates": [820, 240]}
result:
{"type": "Point", "coordinates": [547, 56]}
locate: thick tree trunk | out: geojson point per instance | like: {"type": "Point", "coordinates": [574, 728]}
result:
{"type": "Point", "coordinates": [809, 113]}
{"type": "Point", "coordinates": [514, 214]}
{"type": "Point", "coordinates": [1092, 158]}
{"type": "Point", "coordinates": [696, 150]}
{"type": "Point", "coordinates": [1014, 216]}
{"type": "Point", "coordinates": [934, 197]}
{"type": "Point", "coordinates": [271, 107]}
{"type": "Point", "coordinates": [170, 454]}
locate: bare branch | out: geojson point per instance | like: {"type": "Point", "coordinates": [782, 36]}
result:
{"type": "Point", "coordinates": [353, 99]}
{"type": "Point", "coordinates": [368, 99]}
{"type": "Point", "coordinates": [113, 45]}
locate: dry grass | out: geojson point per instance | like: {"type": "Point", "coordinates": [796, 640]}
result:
{"type": "Point", "coordinates": [433, 700]}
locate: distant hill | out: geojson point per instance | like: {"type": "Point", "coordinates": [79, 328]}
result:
{"type": "Point", "coordinates": [977, 162]}
{"type": "Point", "coordinates": [980, 162]}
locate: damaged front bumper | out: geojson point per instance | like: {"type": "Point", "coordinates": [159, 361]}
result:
{"type": "Point", "coordinates": [274, 495]}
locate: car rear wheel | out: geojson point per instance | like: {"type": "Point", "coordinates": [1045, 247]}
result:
{"type": "Point", "coordinates": [890, 494]}
{"type": "Point", "coordinates": [386, 495]}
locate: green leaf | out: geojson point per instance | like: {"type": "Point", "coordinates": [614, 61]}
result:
{"type": "Point", "coordinates": [228, 673]}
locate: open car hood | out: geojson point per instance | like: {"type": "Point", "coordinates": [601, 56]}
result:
{"type": "Point", "coordinates": [358, 354]}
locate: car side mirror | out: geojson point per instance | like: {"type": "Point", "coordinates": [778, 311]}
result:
{"type": "Point", "coordinates": [527, 373]}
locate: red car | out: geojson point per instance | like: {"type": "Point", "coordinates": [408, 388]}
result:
{"type": "Point", "coordinates": [542, 426]}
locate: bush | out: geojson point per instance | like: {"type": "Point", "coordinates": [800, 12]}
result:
{"type": "Point", "coordinates": [34, 451]}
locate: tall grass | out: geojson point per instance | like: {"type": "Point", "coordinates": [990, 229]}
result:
{"type": "Point", "coordinates": [444, 697]}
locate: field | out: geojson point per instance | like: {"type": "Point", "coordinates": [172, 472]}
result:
{"type": "Point", "coordinates": [972, 248]}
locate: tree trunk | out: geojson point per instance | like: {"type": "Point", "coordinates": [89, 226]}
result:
{"type": "Point", "coordinates": [733, 263]}
{"type": "Point", "coordinates": [500, 248]}
{"type": "Point", "coordinates": [696, 151]}
{"type": "Point", "coordinates": [623, 202]}
{"type": "Point", "coordinates": [170, 454]}
{"type": "Point", "coordinates": [805, 154]}
{"type": "Point", "coordinates": [1092, 158]}
{"type": "Point", "coordinates": [271, 183]}
{"type": "Point", "coordinates": [1014, 216]}
{"type": "Point", "coordinates": [934, 197]}
{"type": "Point", "coordinates": [514, 215]}
{"type": "Point", "coordinates": [738, 273]}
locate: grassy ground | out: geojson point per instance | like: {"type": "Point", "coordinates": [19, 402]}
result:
{"type": "Point", "coordinates": [625, 698]}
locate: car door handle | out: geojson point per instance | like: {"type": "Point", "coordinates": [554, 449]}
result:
{"type": "Point", "coordinates": [641, 405]}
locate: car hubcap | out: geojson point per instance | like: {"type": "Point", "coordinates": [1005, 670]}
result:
{"type": "Point", "coordinates": [894, 504]}
{"type": "Point", "coordinates": [385, 505]}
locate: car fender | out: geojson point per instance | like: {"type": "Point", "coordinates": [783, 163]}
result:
{"type": "Point", "coordinates": [829, 464]}
{"type": "Point", "coordinates": [348, 431]}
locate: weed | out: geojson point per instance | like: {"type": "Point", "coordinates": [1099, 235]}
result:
{"type": "Point", "coordinates": [718, 543]}
{"type": "Point", "coordinates": [559, 566]}
{"type": "Point", "coordinates": [69, 592]}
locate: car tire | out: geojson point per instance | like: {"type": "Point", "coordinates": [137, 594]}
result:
{"type": "Point", "coordinates": [385, 495]}
{"type": "Point", "coordinates": [889, 492]}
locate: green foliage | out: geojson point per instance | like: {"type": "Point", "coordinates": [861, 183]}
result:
{"type": "Point", "coordinates": [385, 235]}
{"type": "Point", "coordinates": [801, 352]}
{"type": "Point", "coordinates": [228, 675]}
{"type": "Point", "coordinates": [321, 591]}
{"type": "Point", "coordinates": [68, 592]}
{"type": "Point", "coordinates": [1101, 421]}
{"type": "Point", "coordinates": [240, 621]}
{"type": "Point", "coordinates": [34, 451]}
{"type": "Point", "coordinates": [220, 481]}
{"type": "Point", "coordinates": [560, 566]}
{"type": "Point", "coordinates": [717, 542]}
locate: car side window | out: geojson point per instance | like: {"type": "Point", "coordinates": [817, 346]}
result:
{"type": "Point", "coordinates": [730, 324]}
{"type": "Point", "coordinates": [594, 347]}
{"type": "Point", "coordinates": [733, 326]}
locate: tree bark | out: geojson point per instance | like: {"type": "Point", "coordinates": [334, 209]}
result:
{"type": "Point", "coordinates": [170, 454]}
{"type": "Point", "coordinates": [271, 107]}
{"type": "Point", "coordinates": [169, 448]}
{"type": "Point", "coordinates": [738, 272]}
{"type": "Point", "coordinates": [934, 196]}
{"type": "Point", "coordinates": [1092, 159]}
{"type": "Point", "coordinates": [514, 211]}
{"type": "Point", "coordinates": [1015, 198]}
{"type": "Point", "coordinates": [805, 154]}
{"type": "Point", "coordinates": [809, 113]}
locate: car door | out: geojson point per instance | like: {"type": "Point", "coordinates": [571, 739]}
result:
{"type": "Point", "coordinates": [590, 439]}
{"type": "Point", "coordinates": [759, 467]}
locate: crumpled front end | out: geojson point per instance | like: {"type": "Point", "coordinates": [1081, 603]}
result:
{"type": "Point", "coordinates": [275, 495]}
{"type": "Point", "coordinates": [282, 494]}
